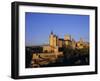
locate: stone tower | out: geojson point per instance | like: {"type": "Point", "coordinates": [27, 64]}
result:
{"type": "Point", "coordinates": [67, 40]}
{"type": "Point", "coordinates": [53, 40]}
{"type": "Point", "coordinates": [67, 37]}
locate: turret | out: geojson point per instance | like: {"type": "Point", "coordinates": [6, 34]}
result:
{"type": "Point", "coordinates": [67, 37]}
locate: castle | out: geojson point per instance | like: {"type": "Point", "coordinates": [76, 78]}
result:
{"type": "Point", "coordinates": [45, 54]}
{"type": "Point", "coordinates": [55, 43]}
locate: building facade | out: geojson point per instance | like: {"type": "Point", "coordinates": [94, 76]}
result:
{"type": "Point", "coordinates": [55, 43]}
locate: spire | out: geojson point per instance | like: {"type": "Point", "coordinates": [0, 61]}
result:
{"type": "Point", "coordinates": [51, 32]}
{"type": "Point", "coordinates": [81, 40]}
{"type": "Point", "coordinates": [73, 40]}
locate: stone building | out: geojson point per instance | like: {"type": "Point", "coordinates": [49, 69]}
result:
{"type": "Point", "coordinates": [55, 43]}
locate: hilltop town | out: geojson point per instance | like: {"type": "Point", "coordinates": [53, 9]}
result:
{"type": "Point", "coordinates": [59, 51]}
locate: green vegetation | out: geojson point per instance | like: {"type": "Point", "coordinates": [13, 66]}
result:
{"type": "Point", "coordinates": [76, 56]}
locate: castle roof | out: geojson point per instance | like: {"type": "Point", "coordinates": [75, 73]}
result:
{"type": "Point", "coordinates": [61, 39]}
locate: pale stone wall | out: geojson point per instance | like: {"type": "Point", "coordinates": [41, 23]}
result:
{"type": "Point", "coordinates": [60, 43]}
{"type": "Point", "coordinates": [47, 48]}
{"type": "Point", "coordinates": [67, 37]}
{"type": "Point", "coordinates": [51, 41]}
{"type": "Point", "coordinates": [46, 55]}
{"type": "Point", "coordinates": [55, 41]}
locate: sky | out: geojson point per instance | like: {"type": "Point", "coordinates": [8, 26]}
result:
{"type": "Point", "coordinates": [38, 27]}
